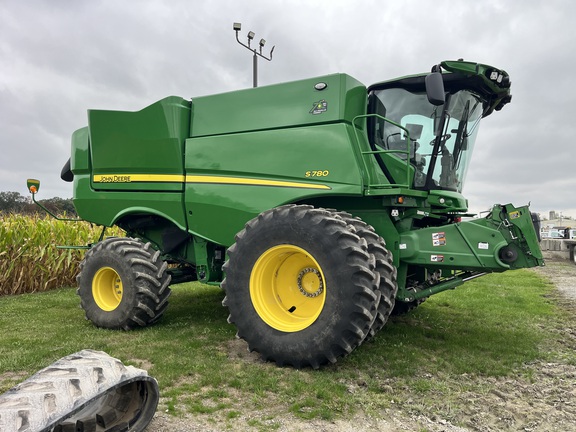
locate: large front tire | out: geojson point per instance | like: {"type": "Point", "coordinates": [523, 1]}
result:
{"type": "Point", "coordinates": [386, 273]}
{"type": "Point", "coordinates": [123, 284]}
{"type": "Point", "coordinates": [300, 286]}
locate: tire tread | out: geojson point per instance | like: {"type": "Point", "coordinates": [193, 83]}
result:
{"type": "Point", "coordinates": [359, 312]}
{"type": "Point", "coordinates": [149, 282]}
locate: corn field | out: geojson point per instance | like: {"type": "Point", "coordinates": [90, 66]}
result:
{"type": "Point", "coordinates": [29, 258]}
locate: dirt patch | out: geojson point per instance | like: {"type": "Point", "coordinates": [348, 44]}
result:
{"type": "Point", "coordinates": [546, 402]}
{"type": "Point", "coordinates": [541, 397]}
{"type": "Point", "coordinates": [141, 363]}
{"type": "Point", "coordinates": [237, 349]}
{"type": "Point", "coordinates": [10, 379]}
{"type": "Point", "coordinates": [563, 274]}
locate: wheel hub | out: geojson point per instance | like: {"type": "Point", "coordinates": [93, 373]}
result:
{"type": "Point", "coordinates": [287, 288]}
{"type": "Point", "coordinates": [107, 289]}
{"type": "Point", "coordinates": [310, 282]}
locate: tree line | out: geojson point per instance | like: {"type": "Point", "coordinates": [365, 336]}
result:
{"type": "Point", "coordinates": [14, 202]}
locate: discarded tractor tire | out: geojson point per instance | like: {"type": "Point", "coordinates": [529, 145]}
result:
{"type": "Point", "coordinates": [300, 286]}
{"type": "Point", "coordinates": [82, 392]}
{"type": "Point", "coordinates": [123, 284]}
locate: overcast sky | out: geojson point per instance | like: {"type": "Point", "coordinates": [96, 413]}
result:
{"type": "Point", "coordinates": [59, 58]}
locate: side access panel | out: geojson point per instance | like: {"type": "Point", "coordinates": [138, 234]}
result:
{"type": "Point", "coordinates": [231, 179]}
{"type": "Point", "coordinates": [140, 150]}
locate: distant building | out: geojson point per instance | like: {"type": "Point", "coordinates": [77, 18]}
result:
{"type": "Point", "coordinates": [552, 215]}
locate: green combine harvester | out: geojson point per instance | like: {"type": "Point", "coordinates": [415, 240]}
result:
{"type": "Point", "coordinates": [320, 206]}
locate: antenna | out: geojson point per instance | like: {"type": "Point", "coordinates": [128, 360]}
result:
{"type": "Point", "coordinates": [256, 53]}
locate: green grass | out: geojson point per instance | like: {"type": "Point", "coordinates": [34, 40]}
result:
{"type": "Point", "coordinates": [493, 326]}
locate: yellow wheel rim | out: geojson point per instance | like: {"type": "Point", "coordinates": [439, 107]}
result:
{"type": "Point", "coordinates": [107, 289]}
{"type": "Point", "coordinates": [287, 288]}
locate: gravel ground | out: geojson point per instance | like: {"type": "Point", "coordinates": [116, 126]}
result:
{"type": "Point", "coordinates": [546, 402]}
{"type": "Point", "coordinates": [562, 274]}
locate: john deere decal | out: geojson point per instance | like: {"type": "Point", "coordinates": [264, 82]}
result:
{"type": "Point", "coordinates": [319, 107]}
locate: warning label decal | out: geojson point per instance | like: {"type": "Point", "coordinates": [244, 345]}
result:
{"type": "Point", "coordinates": [438, 239]}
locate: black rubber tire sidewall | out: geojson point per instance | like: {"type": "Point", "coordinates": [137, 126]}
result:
{"type": "Point", "coordinates": [145, 291]}
{"type": "Point", "coordinates": [348, 279]}
{"type": "Point", "coordinates": [384, 268]}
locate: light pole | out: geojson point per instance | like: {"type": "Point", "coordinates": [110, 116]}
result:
{"type": "Point", "coordinates": [237, 27]}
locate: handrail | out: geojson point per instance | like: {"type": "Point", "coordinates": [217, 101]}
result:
{"type": "Point", "coordinates": [406, 152]}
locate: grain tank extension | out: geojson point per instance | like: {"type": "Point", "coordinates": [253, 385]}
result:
{"type": "Point", "coordinates": [320, 206]}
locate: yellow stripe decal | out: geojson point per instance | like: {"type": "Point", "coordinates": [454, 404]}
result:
{"type": "Point", "coordinates": [129, 178]}
{"type": "Point", "coordinates": [175, 178]}
{"type": "Point", "coordinates": [252, 182]}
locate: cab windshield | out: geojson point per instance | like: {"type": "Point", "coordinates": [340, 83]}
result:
{"type": "Point", "coordinates": [440, 138]}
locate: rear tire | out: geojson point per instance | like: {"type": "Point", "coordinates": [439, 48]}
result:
{"type": "Point", "coordinates": [123, 284]}
{"type": "Point", "coordinates": [299, 286]}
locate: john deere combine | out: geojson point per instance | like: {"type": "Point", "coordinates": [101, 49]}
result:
{"type": "Point", "coordinates": [320, 206]}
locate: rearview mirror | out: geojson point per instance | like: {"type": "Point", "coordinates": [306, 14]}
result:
{"type": "Point", "coordinates": [435, 88]}
{"type": "Point", "coordinates": [33, 185]}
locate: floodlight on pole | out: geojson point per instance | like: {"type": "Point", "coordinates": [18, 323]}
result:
{"type": "Point", "coordinates": [237, 27]}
